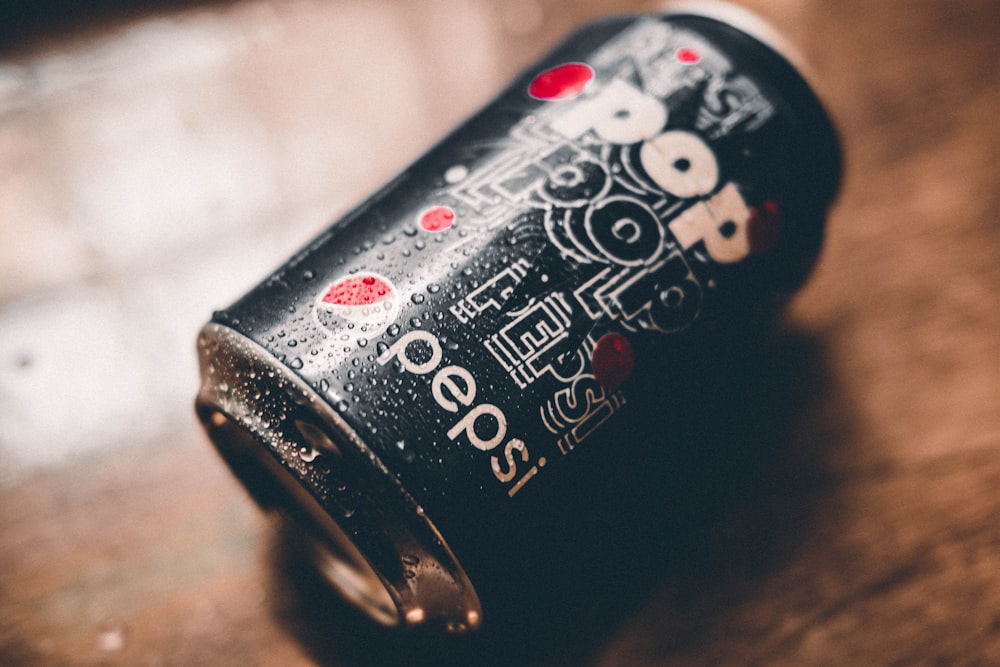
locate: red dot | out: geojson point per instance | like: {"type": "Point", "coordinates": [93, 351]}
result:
{"type": "Point", "coordinates": [764, 227]}
{"type": "Point", "coordinates": [357, 291]}
{"type": "Point", "coordinates": [437, 219]}
{"type": "Point", "coordinates": [613, 360]}
{"type": "Point", "coordinates": [687, 56]}
{"type": "Point", "coordinates": [561, 82]}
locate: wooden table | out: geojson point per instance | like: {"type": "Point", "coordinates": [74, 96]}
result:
{"type": "Point", "coordinates": [154, 164]}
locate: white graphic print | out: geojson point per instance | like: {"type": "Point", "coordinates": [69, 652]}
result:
{"type": "Point", "coordinates": [491, 294]}
{"type": "Point", "coordinates": [583, 404]}
{"type": "Point", "coordinates": [529, 346]}
{"type": "Point", "coordinates": [618, 193]}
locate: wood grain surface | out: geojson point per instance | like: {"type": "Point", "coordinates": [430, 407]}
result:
{"type": "Point", "coordinates": [156, 160]}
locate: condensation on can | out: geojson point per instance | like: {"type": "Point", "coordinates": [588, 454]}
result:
{"type": "Point", "coordinates": [449, 388]}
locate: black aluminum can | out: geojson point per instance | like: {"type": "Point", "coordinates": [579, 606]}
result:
{"type": "Point", "coordinates": [454, 385]}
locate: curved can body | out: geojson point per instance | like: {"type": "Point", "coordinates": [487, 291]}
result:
{"type": "Point", "coordinates": [439, 386]}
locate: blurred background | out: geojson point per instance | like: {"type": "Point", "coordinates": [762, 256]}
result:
{"type": "Point", "coordinates": [157, 159]}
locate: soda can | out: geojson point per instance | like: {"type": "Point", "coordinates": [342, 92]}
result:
{"type": "Point", "coordinates": [456, 386]}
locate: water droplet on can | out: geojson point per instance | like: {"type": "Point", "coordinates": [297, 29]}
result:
{"type": "Point", "coordinates": [456, 173]}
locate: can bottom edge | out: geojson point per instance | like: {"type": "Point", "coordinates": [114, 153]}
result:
{"type": "Point", "coordinates": [299, 460]}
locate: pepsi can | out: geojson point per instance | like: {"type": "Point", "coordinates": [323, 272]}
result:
{"type": "Point", "coordinates": [455, 387]}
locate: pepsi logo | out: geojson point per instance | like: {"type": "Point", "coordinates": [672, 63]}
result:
{"type": "Point", "coordinates": [363, 304]}
{"type": "Point", "coordinates": [561, 82]}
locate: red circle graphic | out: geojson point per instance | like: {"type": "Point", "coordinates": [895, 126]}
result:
{"type": "Point", "coordinates": [687, 56]}
{"type": "Point", "coordinates": [613, 360]}
{"type": "Point", "coordinates": [764, 227]}
{"type": "Point", "coordinates": [561, 82]}
{"type": "Point", "coordinates": [437, 219]}
{"type": "Point", "coordinates": [357, 291]}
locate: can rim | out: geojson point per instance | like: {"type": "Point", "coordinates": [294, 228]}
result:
{"type": "Point", "coordinates": [389, 560]}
